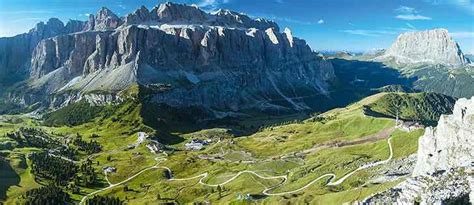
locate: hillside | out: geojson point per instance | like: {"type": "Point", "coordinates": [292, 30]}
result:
{"type": "Point", "coordinates": [291, 149]}
{"type": "Point", "coordinates": [424, 107]}
{"type": "Point", "coordinates": [443, 170]}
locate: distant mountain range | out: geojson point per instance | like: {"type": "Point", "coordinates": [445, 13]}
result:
{"type": "Point", "coordinates": [431, 60]}
{"type": "Point", "coordinates": [220, 62]}
{"type": "Point", "coordinates": [224, 63]}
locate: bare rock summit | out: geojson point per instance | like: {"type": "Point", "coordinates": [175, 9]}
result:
{"type": "Point", "coordinates": [426, 47]}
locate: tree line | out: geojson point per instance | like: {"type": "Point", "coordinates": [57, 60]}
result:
{"type": "Point", "coordinates": [50, 194]}
{"type": "Point", "coordinates": [90, 147]}
{"type": "Point", "coordinates": [104, 200]}
{"type": "Point", "coordinates": [58, 170]}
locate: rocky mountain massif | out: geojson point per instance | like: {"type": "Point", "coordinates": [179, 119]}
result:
{"type": "Point", "coordinates": [431, 60]}
{"type": "Point", "coordinates": [186, 57]}
{"type": "Point", "coordinates": [431, 46]}
{"type": "Point", "coordinates": [444, 169]}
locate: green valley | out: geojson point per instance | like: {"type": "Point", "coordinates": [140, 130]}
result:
{"type": "Point", "coordinates": [290, 161]}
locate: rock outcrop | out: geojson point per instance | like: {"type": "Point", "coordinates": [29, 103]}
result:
{"type": "Point", "coordinates": [445, 162]}
{"type": "Point", "coordinates": [15, 52]}
{"type": "Point", "coordinates": [426, 47]}
{"type": "Point", "coordinates": [180, 14]}
{"type": "Point", "coordinates": [104, 20]}
{"type": "Point", "coordinates": [450, 144]}
{"type": "Point", "coordinates": [220, 61]}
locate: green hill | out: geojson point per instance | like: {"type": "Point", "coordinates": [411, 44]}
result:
{"type": "Point", "coordinates": [299, 150]}
{"type": "Point", "coordinates": [424, 107]}
{"type": "Point", "coordinates": [73, 114]}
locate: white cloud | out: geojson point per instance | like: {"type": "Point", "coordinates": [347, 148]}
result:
{"type": "Point", "coordinates": [28, 19]}
{"type": "Point", "coordinates": [211, 5]}
{"type": "Point", "coordinates": [26, 12]}
{"type": "Point", "coordinates": [370, 33]}
{"type": "Point", "coordinates": [409, 13]}
{"type": "Point", "coordinates": [462, 34]}
{"type": "Point", "coordinates": [205, 3]}
{"type": "Point", "coordinates": [411, 17]}
{"type": "Point", "coordinates": [120, 5]}
{"type": "Point", "coordinates": [410, 26]}
{"type": "Point", "coordinates": [282, 18]}
{"type": "Point", "coordinates": [405, 10]}
{"type": "Point", "coordinates": [467, 5]}
{"type": "Point", "coordinates": [321, 21]}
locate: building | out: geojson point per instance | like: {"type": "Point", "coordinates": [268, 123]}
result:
{"type": "Point", "coordinates": [196, 144]}
{"type": "Point", "coordinates": [153, 148]}
{"type": "Point", "coordinates": [110, 169]}
{"type": "Point", "coordinates": [409, 126]}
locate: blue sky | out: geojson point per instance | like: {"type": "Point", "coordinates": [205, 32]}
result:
{"type": "Point", "coordinates": [354, 25]}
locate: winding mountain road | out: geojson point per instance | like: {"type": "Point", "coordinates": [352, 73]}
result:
{"type": "Point", "coordinates": [266, 192]}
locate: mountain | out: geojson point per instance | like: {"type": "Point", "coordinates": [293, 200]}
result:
{"type": "Point", "coordinates": [426, 47]}
{"type": "Point", "coordinates": [443, 170]}
{"type": "Point", "coordinates": [430, 61]}
{"type": "Point", "coordinates": [224, 61]}
{"type": "Point", "coordinates": [15, 52]}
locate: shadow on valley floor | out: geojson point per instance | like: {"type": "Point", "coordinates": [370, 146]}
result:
{"type": "Point", "coordinates": [355, 81]}
{"type": "Point", "coordinates": [8, 178]}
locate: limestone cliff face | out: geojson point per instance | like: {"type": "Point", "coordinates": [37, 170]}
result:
{"type": "Point", "coordinates": [222, 61]}
{"type": "Point", "coordinates": [432, 46]}
{"type": "Point", "coordinates": [15, 52]}
{"type": "Point", "coordinates": [449, 145]}
{"type": "Point", "coordinates": [445, 162]}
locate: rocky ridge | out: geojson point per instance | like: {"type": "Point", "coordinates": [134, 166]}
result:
{"type": "Point", "coordinates": [445, 162]}
{"type": "Point", "coordinates": [219, 61]}
{"type": "Point", "coordinates": [425, 47]}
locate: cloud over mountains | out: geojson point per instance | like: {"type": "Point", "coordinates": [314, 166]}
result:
{"type": "Point", "coordinates": [409, 13]}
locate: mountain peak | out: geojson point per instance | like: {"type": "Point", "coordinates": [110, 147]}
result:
{"type": "Point", "coordinates": [105, 12]}
{"type": "Point", "coordinates": [104, 19]}
{"type": "Point", "coordinates": [179, 12]}
{"type": "Point", "coordinates": [182, 14]}
{"type": "Point", "coordinates": [429, 47]}
{"type": "Point", "coordinates": [52, 27]}
{"type": "Point", "coordinates": [55, 22]}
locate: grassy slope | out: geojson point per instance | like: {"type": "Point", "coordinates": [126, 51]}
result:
{"type": "Point", "coordinates": [426, 107]}
{"type": "Point", "coordinates": [340, 124]}
{"type": "Point", "coordinates": [349, 158]}
{"type": "Point", "coordinates": [8, 177]}
{"type": "Point", "coordinates": [116, 131]}
{"type": "Point", "coordinates": [21, 165]}
{"type": "Point", "coordinates": [74, 114]}
{"type": "Point", "coordinates": [16, 158]}
{"type": "Point", "coordinates": [348, 123]}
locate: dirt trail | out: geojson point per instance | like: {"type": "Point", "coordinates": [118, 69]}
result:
{"type": "Point", "coordinates": [383, 134]}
